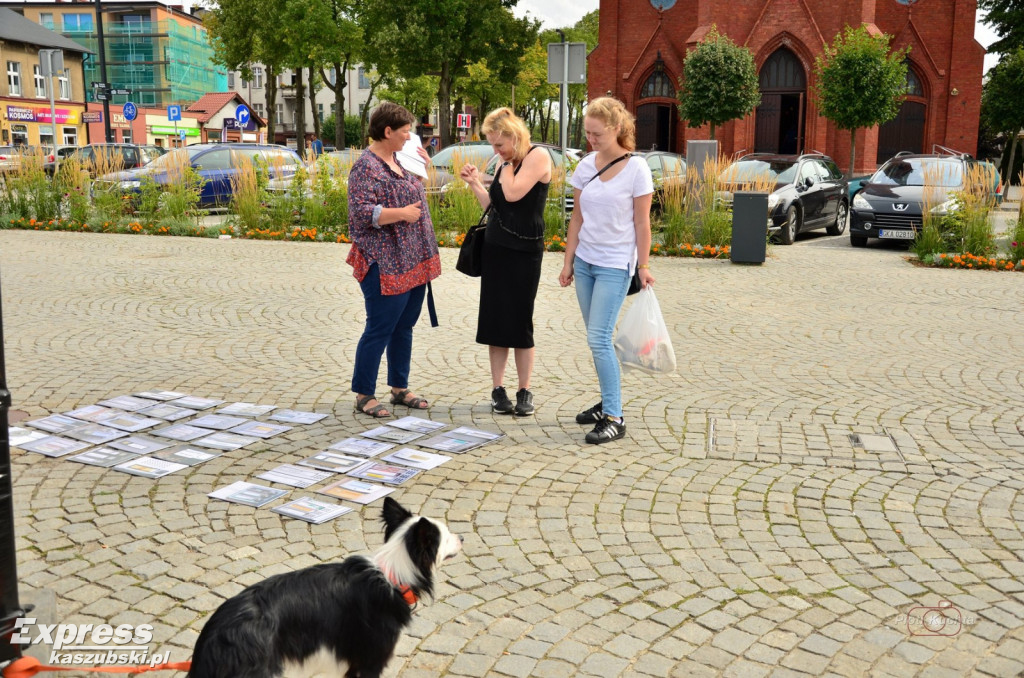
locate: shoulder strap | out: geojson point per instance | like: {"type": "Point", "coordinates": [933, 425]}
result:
{"type": "Point", "coordinates": [605, 168]}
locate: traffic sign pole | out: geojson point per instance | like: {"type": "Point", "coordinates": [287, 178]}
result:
{"type": "Point", "coordinates": [109, 135]}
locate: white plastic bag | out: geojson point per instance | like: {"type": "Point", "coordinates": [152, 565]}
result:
{"type": "Point", "coordinates": [642, 341]}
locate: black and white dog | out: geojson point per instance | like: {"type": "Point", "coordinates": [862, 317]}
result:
{"type": "Point", "coordinates": [330, 620]}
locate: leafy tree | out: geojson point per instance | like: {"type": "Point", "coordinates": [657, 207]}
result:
{"type": "Point", "coordinates": [719, 82]}
{"type": "Point", "coordinates": [351, 139]}
{"type": "Point", "coordinates": [860, 83]}
{"type": "Point", "coordinates": [584, 30]}
{"type": "Point", "coordinates": [443, 39]}
{"type": "Point", "coordinates": [533, 94]}
{"type": "Point", "coordinates": [239, 41]}
{"type": "Point", "coordinates": [336, 48]}
{"type": "Point", "coordinates": [483, 89]}
{"type": "Point", "coordinates": [1006, 17]}
{"type": "Point", "coordinates": [416, 94]}
{"type": "Point", "coordinates": [1001, 108]}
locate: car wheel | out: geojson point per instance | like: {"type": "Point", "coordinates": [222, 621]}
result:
{"type": "Point", "coordinates": [859, 240]}
{"type": "Point", "coordinates": [787, 234]}
{"type": "Point", "coordinates": [842, 216]}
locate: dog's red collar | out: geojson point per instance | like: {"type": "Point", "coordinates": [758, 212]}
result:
{"type": "Point", "coordinates": [408, 595]}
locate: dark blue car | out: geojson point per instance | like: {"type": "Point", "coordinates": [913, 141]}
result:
{"type": "Point", "coordinates": [217, 164]}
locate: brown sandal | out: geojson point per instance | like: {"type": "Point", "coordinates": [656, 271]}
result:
{"type": "Point", "coordinates": [379, 410]}
{"type": "Point", "coordinates": [414, 403]}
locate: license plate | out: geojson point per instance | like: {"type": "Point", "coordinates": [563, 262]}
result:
{"type": "Point", "coordinates": [898, 235]}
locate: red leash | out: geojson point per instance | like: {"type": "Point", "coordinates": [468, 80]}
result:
{"type": "Point", "coordinates": [26, 667]}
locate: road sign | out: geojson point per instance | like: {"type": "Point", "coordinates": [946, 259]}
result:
{"type": "Point", "coordinates": [435, 142]}
{"type": "Point", "coordinates": [101, 85]}
{"type": "Point", "coordinates": [182, 134]}
{"type": "Point", "coordinates": [101, 95]}
{"type": "Point", "coordinates": [125, 92]}
{"type": "Point", "coordinates": [577, 68]}
{"type": "Point", "coordinates": [174, 113]}
{"type": "Point", "coordinates": [242, 115]}
{"type": "Point", "coordinates": [130, 111]}
{"type": "Point", "coordinates": [463, 120]}
{"type": "Point", "coordinates": [51, 62]}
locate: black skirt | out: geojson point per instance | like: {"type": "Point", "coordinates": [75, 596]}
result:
{"type": "Point", "coordinates": [508, 288]}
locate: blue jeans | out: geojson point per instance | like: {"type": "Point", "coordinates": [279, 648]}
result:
{"type": "Point", "coordinates": [601, 291]}
{"type": "Point", "coordinates": [389, 323]}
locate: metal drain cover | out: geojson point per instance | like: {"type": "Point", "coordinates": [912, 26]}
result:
{"type": "Point", "coordinates": [873, 443]}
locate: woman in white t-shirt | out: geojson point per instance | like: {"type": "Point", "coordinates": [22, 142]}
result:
{"type": "Point", "coordinates": [609, 237]}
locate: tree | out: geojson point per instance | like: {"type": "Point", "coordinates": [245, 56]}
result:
{"type": "Point", "coordinates": [1001, 108]}
{"type": "Point", "coordinates": [860, 83]}
{"type": "Point", "coordinates": [239, 41]}
{"type": "Point", "coordinates": [416, 94]}
{"type": "Point", "coordinates": [339, 46]}
{"type": "Point", "coordinates": [443, 38]}
{"type": "Point", "coordinates": [719, 82]}
{"type": "Point", "coordinates": [1006, 17]}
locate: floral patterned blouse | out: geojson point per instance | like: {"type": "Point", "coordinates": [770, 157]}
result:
{"type": "Point", "coordinates": [405, 253]}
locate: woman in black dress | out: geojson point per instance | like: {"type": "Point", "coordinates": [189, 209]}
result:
{"type": "Point", "coordinates": [513, 251]}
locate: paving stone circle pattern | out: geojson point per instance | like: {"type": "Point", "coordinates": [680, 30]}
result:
{"type": "Point", "coordinates": [842, 447]}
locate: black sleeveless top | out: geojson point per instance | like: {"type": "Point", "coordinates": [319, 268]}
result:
{"type": "Point", "coordinates": [524, 217]}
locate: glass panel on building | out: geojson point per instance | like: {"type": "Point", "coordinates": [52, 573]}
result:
{"type": "Point", "coordinates": [364, 82]}
{"type": "Point", "coordinates": [40, 82]}
{"type": "Point", "coordinates": [64, 81]}
{"type": "Point", "coordinates": [70, 136]}
{"type": "Point", "coordinates": [46, 20]}
{"type": "Point", "coordinates": [14, 78]}
{"type": "Point", "coordinates": [19, 135]}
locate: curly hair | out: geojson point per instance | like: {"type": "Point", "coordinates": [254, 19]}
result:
{"type": "Point", "coordinates": [504, 121]}
{"type": "Point", "coordinates": [612, 112]}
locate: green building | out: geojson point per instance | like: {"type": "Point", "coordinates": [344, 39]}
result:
{"type": "Point", "coordinates": [159, 52]}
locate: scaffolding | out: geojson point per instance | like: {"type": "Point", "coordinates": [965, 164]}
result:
{"type": "Point", "coordinates": [161, 62]}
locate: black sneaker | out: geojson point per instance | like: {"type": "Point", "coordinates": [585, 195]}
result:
{"type": "Point", "coordinates": [524, 403]}
{"type": "Point", "coordinates": [606, 431]}
{"type": "Point", "coordinates": [591, 416]}
{"type": "Point", "coordinates": [500, 402]}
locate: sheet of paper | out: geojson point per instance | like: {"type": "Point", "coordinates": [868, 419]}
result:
{"type": "Point", "coordinates": [311, 510]}
{"type": "Point", "coordinates": [249, 494]}
{"type": "Point", "coordinates": [356, 491]}
{"type": "Point", "coordinates": [296, 476]}
{"type": "Point", "coordinates": [409, 159]}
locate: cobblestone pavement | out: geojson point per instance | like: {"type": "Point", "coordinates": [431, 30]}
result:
{"type": "Point", "coordinates": [737, 530]}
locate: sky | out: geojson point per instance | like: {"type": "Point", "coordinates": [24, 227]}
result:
{"type": "Point", "coordinates": [562, 13]}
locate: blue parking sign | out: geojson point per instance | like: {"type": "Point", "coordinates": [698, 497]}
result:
{"type": "Point", "coordinates": [174, 113]}
{"type": "Point", "coordinates": [130, 111]}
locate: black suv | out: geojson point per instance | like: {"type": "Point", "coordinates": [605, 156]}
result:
{"type": "Point", "coordinates": [809, 191]}
{"type": "Point", "coordinates": [890, 204]}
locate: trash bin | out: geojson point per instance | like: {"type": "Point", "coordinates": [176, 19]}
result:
{"type": "Point", "coordinates": [749, 227]}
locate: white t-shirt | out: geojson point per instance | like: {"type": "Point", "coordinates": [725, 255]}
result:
{"type": "Point", "coordinates": [608, 236]}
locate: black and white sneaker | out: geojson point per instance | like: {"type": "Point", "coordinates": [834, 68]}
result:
{"type": "Point", "coordinates": [500, 402]}
{"type": "Point", "coordinates": [591, 416]}
{"type": "Point", "coordinates": [606, 431]}
{"type": "Point", "coordinates": [524, 403]}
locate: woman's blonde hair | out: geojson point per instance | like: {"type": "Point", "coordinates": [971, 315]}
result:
{"type": "Point", "coordinates": [504, 121]}
{"type": "Point", "coordinates": [612, 112]}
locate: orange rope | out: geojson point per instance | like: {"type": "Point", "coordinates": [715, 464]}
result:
{"type": "Point", "coordinates": [26, 667]}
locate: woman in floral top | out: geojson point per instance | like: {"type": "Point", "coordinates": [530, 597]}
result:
{"type": "Point", "coordinates": [394, 257]}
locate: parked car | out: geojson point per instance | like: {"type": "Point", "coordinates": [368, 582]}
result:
{"type": "Point", "coordinates": [10, 156]}
{"type": "Point", "coordinates": [336, 160]}
{"type": "Point", "coordinates": [809, 191]}
{"type": "Point", "coordinates": [890, 205]}
{"type": "Point", "coordinates": [99, 157]}
{"type": "Point", "coordinates": [446, 163]}
{"type": "Point", "coordinates": [217, 164]}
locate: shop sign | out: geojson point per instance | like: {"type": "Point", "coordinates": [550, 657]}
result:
{"type": "Point", "coordinates": [92, 116]}
{"type": "Point", "coordinates": [170, 131]}
{"type": "Point", "coordinates": [64, 116]}
{"type": "Point", "coordinates": [21, 114]}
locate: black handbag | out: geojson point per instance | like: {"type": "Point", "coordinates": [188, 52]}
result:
{"type": "Point", "coordinates": [471, 252]}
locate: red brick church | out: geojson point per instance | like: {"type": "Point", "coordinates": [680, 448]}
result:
{"type": "Point", "coordinates": [642, 45]}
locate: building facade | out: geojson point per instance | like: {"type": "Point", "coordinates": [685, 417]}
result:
{"type": "Point", "coordinates": [642, 45]}
{"type": "Point", "coordinates": [158, 52]}
{"type": "Point", "coordinates": [254, 90]}
{"type": "Point", "coordinates": [25, 115]}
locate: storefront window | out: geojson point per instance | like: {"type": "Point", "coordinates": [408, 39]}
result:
{"type": "Point", "coordinates": [70, 136]}
{"type": "Point", "coordinates": [19, 135]}
{"type": "Point", "coordinates": [46, 136]}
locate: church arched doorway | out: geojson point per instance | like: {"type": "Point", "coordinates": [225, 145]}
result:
{"type": "Point", "coordinates": [779, 121]}
{"type": "Point", "coordinates": [657, 112]}
{"type": "Point", "coordinates": [905, 132]}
